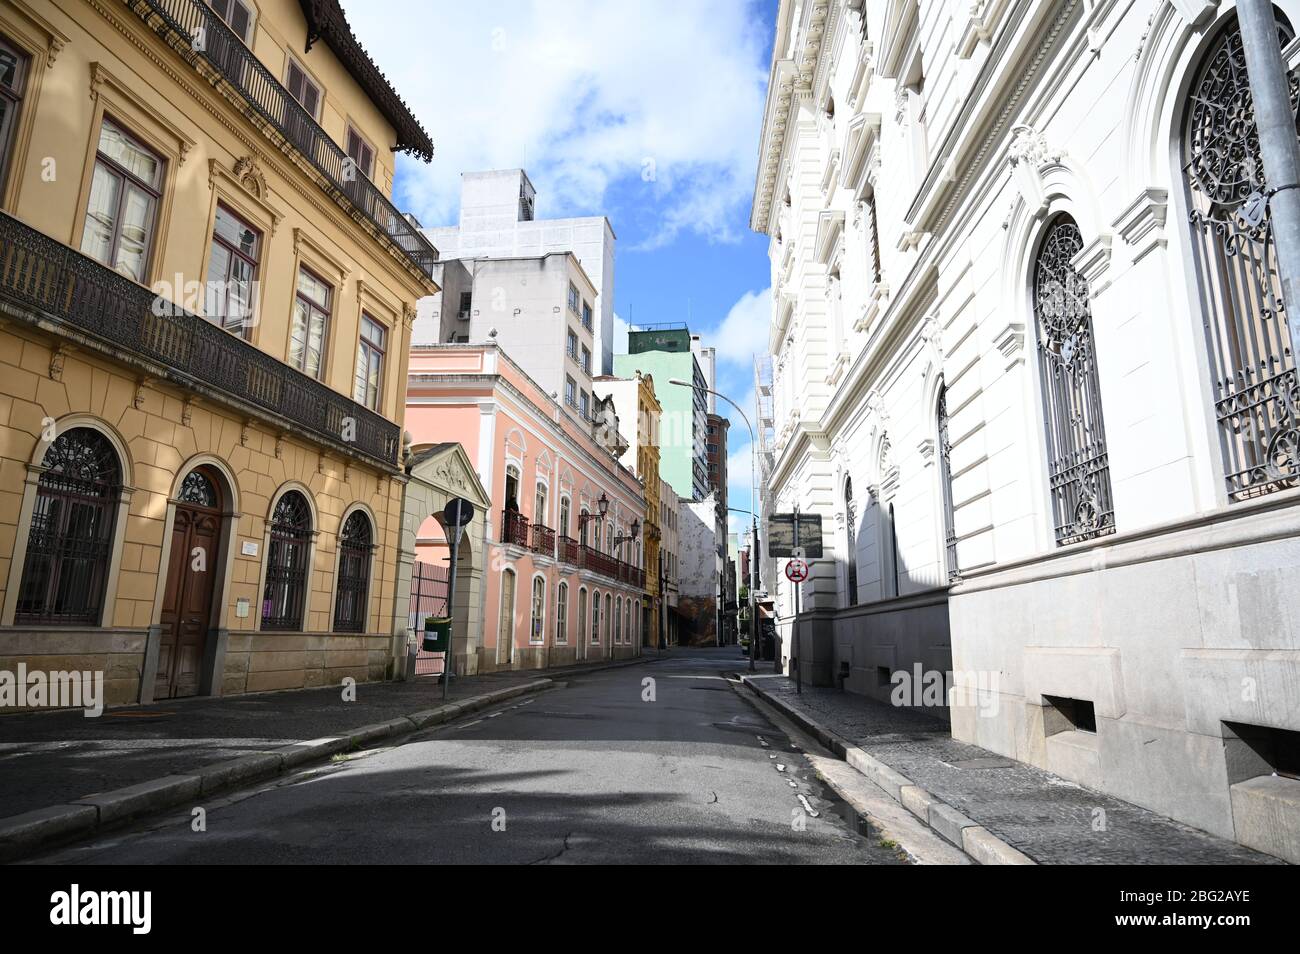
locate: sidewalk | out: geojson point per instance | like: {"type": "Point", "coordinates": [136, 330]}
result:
{"type": "Point", "coordinates": [1025, 809]}
{"type": "Point", "coordinates": [57, 758]}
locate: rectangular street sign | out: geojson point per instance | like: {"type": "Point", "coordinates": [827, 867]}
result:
{"type": "Point", "coordinates": [780, 535]}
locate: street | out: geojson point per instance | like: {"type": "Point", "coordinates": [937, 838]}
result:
{"type": "Point", "coordinates": [585, 773]}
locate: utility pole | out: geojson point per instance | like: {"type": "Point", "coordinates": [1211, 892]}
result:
{"type": "Point", "coordinates": [1278, 146]}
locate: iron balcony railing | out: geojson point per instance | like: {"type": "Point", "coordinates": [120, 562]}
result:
{"type": "Point", "coordinates": [543, 540]}
{"type": "Point", "coordinates": [201, 37]}
{"type": "Point", "coordinates": [514, 528]}
{"type": "Point", "coordinates": [74, 291]}
{"type": "Point", "coordinates": [569, 550]}
{"type": "Point", "coordinates": [599, 562]}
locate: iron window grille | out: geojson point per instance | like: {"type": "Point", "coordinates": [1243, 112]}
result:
{"type": "Point", "coordinates": [70, 540]}
{"type": "Point", "coordinates": [1253, 375]}
{"type": "Point", "coordinates": [1077, 463]}
{"type": "Point", "coordinates": [355, 548]}
{"type": "Point", "coordinates": [286, 563]}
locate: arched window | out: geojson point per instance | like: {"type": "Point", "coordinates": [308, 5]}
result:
{"type": "Point", "coordinates": [562, 612]}
{"type": "Point", "coordinates": [286, 563]}
{"type": "Point", "coordinates": [583, 520]}
{"type": "Point", "coordinates": [609, 604]}
{"type": "Point", "coordinates": [851, 543]}
{"type": "Point", "coordinates": [1077, 466]}
{"type": "Point", "coordinates": [618, 615]}
{"type": "Point", "coordinates": [1252, 370]}
{"type": "Point", "coordinates": [355, 548]}
{"type": "Point", "coordinates": [945, 485]}
{"type": "Point", "coordinates": [627, 622]}
{"type": "Point", "coordinates": [564, 517]}
{"type": "Point", "coordinates": [71, 537]}
{"type": "Point", "coordinates": [595, 617]}
{"type": "Point", "coordinates": [537, 632]}
{"type": "Point", "coordinates": [582, 615]}
{"type": "Point", "coordinates": [892, 554]}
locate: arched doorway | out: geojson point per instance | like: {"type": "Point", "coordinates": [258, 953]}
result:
{"type": "Point", "coordinates": [192, 572]}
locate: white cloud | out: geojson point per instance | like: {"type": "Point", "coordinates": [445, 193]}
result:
{"type": "Point", "coordinates": [746, 328]}
{"type": "Point", "coordinates": [667, 96]}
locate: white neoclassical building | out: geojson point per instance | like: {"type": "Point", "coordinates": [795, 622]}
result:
{"type": "Point", "coordinates": [1030, 368]}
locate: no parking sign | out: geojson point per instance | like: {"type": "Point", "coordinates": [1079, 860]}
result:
{"type": "Point", "coordinates": [796, 571]}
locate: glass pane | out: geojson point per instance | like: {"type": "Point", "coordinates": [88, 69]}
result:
{"type": "Point", "coordinates": [298, 334]}
{"type": "Point", "coordinates": [136, 160]}
{"type": "Point", "coordinates": [239, 291]}
{"type": "Point", "coordinates": [315, 338]}
{"type": "Point", "coordinates": [9, 68]}
{"type": "Point", "coordinates": [313, 288]}
{"type": "Point", "coordinates": [236, 232]}
{"type": "Point", "coordinates": [214, 295]}
{"type": "Point", "coordinates": [359, 390]}
{"type": "Point", "coordinates": [101, 212]}
{"type": "Point", "coordinates": [133, 237]}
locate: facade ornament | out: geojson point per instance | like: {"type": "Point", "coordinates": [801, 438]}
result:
{"type": "Point", "coordinates": [56, 362]}
{"type": "Point", "coordinates": [250, 176]}
{"type": "Point", "coordinates": [187, 410]}
{"type": "Point", "coordinates": [1028, 154]}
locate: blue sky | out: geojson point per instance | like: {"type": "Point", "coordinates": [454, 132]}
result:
{"type": "Point", "coordinates": [646, 111]}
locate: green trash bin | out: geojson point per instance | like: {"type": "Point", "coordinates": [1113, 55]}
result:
{"type": "Point", "coordinates": [437, 634]}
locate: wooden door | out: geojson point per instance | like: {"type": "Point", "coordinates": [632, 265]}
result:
{"type": "Point", "coordinates": [187, 604]}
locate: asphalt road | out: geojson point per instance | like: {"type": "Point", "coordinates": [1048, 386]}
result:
{"type": "Point", "coordinates": [590, 772]}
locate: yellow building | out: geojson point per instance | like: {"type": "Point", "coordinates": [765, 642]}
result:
{"type": "Point", "coordinates": [647, 457]}
{"type": "Point", "coordinates": [206, 299]}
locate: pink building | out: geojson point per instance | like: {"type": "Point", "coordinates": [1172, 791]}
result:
{"type": "Point", "coordinates": [561, 540]}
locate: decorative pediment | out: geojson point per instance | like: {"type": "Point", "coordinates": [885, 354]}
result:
{"type": "Point", "coordinates": [861, 152]}
{"type": "Point", "coordinates": [448, 468]}
{"type": "Point", "coordinates": [897, 36]}
{"type": "Point", "coordinates": [830, 226]}
{"type": "Point", "coordinates": [982, 21]}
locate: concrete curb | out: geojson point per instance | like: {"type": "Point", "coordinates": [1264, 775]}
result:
{"type": "Point", "coordinates": [21, 835]}
{"type": "Point", "coordinates": [976, 841]}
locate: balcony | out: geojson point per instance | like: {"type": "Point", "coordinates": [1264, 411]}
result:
{"type": "Point", "coordinates": [269, 105]}
{"type": "Point", "coordinates": [569, 550]}
{"type": "Point", "coordinates": [543, 540]}
{"type": "Point", "coordinates": [514, 528]}
{"type": "Point", "coordinates": [67, 293]}
{"type": "Point", "coordinates": [599, 562]}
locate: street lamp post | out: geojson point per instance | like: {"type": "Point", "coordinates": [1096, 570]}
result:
{"type": "Point", "coordinates": [753, 499]}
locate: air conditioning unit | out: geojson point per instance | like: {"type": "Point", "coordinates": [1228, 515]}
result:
{"type": "Point", "coordinates": [463, 315]}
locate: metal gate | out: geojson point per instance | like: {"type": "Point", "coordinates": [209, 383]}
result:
{"type": "Point", "coordinates": [429, 590]}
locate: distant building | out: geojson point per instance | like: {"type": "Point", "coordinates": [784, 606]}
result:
{"type": "Point", "coordinates": [715, 452]}
{"type": "Point", "coordinates": [701, 576]}
{"type": "Point", "coordinates": [670, 550]}
{"type": "Point", "coordinates": [561, 588]}
{"type": "Point", "coordinates": [538, 308]}
{"type": "Point", "coordinates": [498, 220]}
{"type": "Point", "coordinates": [665, 352]}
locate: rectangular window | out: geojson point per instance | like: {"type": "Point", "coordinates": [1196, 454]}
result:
{"type": "Point", "coordinates": [311, 312]}
{"type": "Point", "coordinates": [574, 298]}
{"type": "Point", "coordinates": [570, 392]}
{"type": "Point", "coordinates": [13, 71]}
{"type": "Point", "coordinates": [572, 346]}
{"type": "Point", "coordinates": [370, 363]}
{"type": "Point", "coordinates": [362, 153]}
{"type": "Point", "coordinates": [303, 89]}
{"type": "Point", "coordinates": [562, 613]}
{"type": "Point", "coordinates": [123, 204]}
{"type": "Point", "coordinates": [586, 359]}
{"type": "Point", "coordinates": [586, 314]}
{"type": "Point", "coordinates": [584, 405]}
{"type": "Point", "coordinates": [232, 271]}
{"type": "Point", "coordinates": [236, 15]}
{"type": "Point", "coordinates": [466, 303]}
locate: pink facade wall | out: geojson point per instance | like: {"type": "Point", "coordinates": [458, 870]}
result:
{"type": "Point", "coordinates": [475, 395]}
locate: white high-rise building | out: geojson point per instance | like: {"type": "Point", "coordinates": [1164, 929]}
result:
{"type": "Point", "coordinates": [497, 220]}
